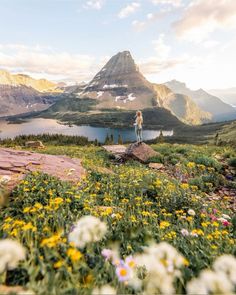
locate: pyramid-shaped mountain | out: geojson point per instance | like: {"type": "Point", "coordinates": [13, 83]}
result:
{"type": "Point", "coordinates": [120, 84]}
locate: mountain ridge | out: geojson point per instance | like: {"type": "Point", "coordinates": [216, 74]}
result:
{"type": "Point", "coordinates": [41, 85]}
{"type": "Point", "coordinates": [220, 110]}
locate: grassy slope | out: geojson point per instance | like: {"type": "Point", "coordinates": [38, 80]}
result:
{"type": "Point", "coordinates": [163, 198]}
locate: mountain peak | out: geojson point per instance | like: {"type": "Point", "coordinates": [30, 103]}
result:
{"type": "Point", "coordinates": [119, 71]}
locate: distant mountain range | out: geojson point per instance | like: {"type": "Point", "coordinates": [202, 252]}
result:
{"type": "Point", "coordinates": [227, 95]}
{"type": "Point", "coordinates": [219, 110]}
{"type": "Point", "coordinates": [21, 94]}
{"type": "Point", "coordinates": [118, 86]}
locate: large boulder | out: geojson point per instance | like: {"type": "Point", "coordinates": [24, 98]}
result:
{"type": "Point", "coordinates": [140, 151]}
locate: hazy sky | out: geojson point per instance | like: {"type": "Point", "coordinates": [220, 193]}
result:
{"type": "Point", "coordinates": [193, 41]}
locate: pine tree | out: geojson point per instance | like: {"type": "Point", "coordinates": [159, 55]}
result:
{"type": "Point", "coordinates": [107, 139]}
{"type": "Point", "coordinates": [216, 140]}
{"type": "Point", "coordinates": [161, 137]}
{"type": "Point", "coordinates": [120, 141]}
{"type": "Point", "coordinates": [112, 139]}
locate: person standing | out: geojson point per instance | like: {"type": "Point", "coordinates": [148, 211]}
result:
{"type": "Point", "coordinates": [139, 126]}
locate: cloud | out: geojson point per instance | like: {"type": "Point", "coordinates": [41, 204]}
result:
{"type": "Point", "coordinates": [139, 25]}
{"type": "Point", "coordinates": [198, 69]}
{"type": "Point", "coordinates": [202, 17]}
{"type": "Point", "coordinates": [162, 49]}
{"type": "Point", "coordinates": [129, 9]}
{"type": "Point", "coordinates": [162, 60]}
{"type": "Point", "coordinates": [175, 3]}
{"type": "Point", "coordinates": [94, 4]}
{"type": "Point", "coordinates": [38, 60]}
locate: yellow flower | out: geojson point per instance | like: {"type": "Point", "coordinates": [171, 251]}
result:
{"type": "Point", "coordinates": [191, 165]}
{"type": "Point", "coordinates": [189, 218]}
{"type": "Point", "coordinates": [74, 254]}
{"type": "Point", "coordinates": [145, 213]}
{"type": "Point", "coordinates": [38, 206]}
{"type": "Point", "coordinates": [216, 224]}
{"type": "Point", "coordinates": [33, 210]}
{"type": "Point", "coordinates": [26, 209]}
{"type": "Point", "coordinates": [18, 223]}
{"type": "Point", "coordinates": [57, 201]}
{"type": "Point", "coordinates": [29, 226]}
{"type": "Point", "coordinates": [164, 224]}
{"type": "Point", "coordinates": [88, 279]}
{"type": "Point", "coordinates": [6, 226]}
{"type": "Point", "coordinates": [52, 241]}
{"type": "Point", "coordinates": [185, 262]}
{"type": "Point", "coordinates": [8, 219]}
{"type": "Point", "coordinates": [158, 183]}
{"type": "Point", "coordinates": [184, 186]}
{"type": "Point", "coordinates": [133, 218]}
{"type": "Point", "coordinates": [214, 247]}
{"type": "Point", "coordinates": [209, 237]}
{"type": "Point", "coordinates": [58, 264]}
{"type": "Point", "coordinates": [14, 232]}
{"type": "Point", "coordinates": [199, 232]}
{"type": "Point", "coordinates": [205, 224]}
{"type": "Point", "coordinates": [129, 247]}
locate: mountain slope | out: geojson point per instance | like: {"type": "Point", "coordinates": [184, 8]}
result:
{"type": "Point", "coordinates": [207, 102]}
{"type": "Point", "coordinates": [180, 105]}
{"type": "Point", "coordinates": [22, 99]}
{"type": "Point", "coordinates": [22, 94]}
{"type": "Point", "coordinates": [41, 85]}
{"type": "Point", "coordinates": [227, 95]}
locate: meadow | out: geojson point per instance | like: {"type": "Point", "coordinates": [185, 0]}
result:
{"type": "Point", "coordinates": [125, 228]}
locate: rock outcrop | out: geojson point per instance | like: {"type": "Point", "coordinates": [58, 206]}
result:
{"type": "Point", "coordinates": [140, 151]}
{"type": "Point", "coordinates": [137, 151]}
{"type": "Point", "coordinates": [16, 164]}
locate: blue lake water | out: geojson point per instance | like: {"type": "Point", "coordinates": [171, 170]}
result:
{"type": "Point", "coordinates": [39, 126]}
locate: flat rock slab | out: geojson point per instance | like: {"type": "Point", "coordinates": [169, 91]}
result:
{"type": "Point", "coordinates": [115, 149]}
{"type": "Point", "coordinates": [157, 166]}
{"type": "Point", "coordinates": [15, 164]}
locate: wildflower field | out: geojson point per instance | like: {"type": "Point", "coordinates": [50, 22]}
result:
{"type": "Point", "coordinates": [126, 229]}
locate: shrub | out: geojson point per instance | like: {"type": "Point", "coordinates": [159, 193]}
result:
{"type": "Point", "coordinates": [232, 162]}
{"type": "Point", "coordinates": [207, 161]}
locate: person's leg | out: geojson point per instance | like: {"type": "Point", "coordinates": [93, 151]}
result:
{"type": "Point", "coordinates": [136, 132]}
{"type": "Point", "coordinates": [141, 135]}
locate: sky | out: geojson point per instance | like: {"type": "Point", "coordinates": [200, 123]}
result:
{"type": "Point", "coordinates": [193, 41]}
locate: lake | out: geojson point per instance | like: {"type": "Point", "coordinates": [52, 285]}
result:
{"type": "Point", "coordinates": [39, 126]}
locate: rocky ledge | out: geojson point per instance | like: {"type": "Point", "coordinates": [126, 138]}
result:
{"type": "Point", "coordinates": [16, 164]}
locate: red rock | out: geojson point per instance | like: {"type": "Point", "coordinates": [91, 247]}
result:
{"type": "Point", "coordinates": [141, 152]}
{"type": "Point", "coordinates": [19, 163]}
